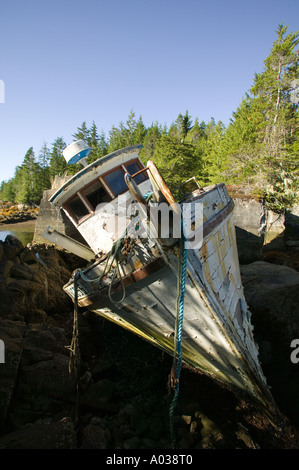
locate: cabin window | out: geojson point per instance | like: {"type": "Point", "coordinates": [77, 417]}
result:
{"type": "Point", "coordinates": [86, 200]}
{"type": "Point", "coordinates": [133, 168]}
{"type": "Point", "coordinates": [95, 194]}
{"type": "Point", "coordinates": [116, 181]}
{"type": "Point", "coordinates": [78, 208]}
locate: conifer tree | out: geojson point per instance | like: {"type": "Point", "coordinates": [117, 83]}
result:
{"type": "Point", "coordinates": [181, 126]}
{"type": "Point", "coordinates": [241, 146]}
{"type": "Point", "coordinates": [44, 173]}
{"type": "Point", "coordinates": [197, 137]}
{"type": "Point", "coordinates": [139, 133]}
{"type": "Point", "coordinates": [93, 142]}
{"type": "Point", "coordinates": [214, 159]}
{"type": "Point", "coordinates": [272, 91]}
{"type": "Point", "coordinates": [103, 145]}
{"type": "Point", "coordinates": [153, 135]}
{"type": "Point", "coordinates": [177, 161]}
{"type": "Point", "coordinates": [28, 189]}
{"type": "Point", "coordinates": [130, 128]}
{"type": "Point", "coordinates": [8, 190]}
{"type": "Point", "coordinates": [82, 132]}
{"type": "Point", "coordinates": [196, 133]}
{"type": "Point", "coordinates": [117, 138]}
{"type": "Point", "coordinates": [57, 164]}
{"type": "Point", "coordinates": [131, 133]}
{"type": "Point", "coordinates": [261, 138]}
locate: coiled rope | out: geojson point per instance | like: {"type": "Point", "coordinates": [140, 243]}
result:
{"type": "Point", "coordinates": [114, 256]}
{"type": "Point", "coordinates": [177, 358]}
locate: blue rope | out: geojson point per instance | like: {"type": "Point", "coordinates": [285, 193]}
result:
{"type": "Point", "coordinates": [148, 195]}
{"type": "Point", "coordinates": [177, 364]}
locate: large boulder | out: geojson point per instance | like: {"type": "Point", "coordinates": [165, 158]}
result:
{"type": "Point", "coordinates": [43, 434]}
{"type": "Point", "coordinates": [272, 293]}
{"type": "Point", "coordinates": [12, 335]}
{"type": "Point", "coordinates": [35, 379]}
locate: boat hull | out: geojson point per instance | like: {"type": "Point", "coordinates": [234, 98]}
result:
{"type": "Point", "coordinates": [217, 336]}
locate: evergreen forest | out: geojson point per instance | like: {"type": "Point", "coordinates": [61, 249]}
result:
{"type": "Point", "coordinates": [259, 147]}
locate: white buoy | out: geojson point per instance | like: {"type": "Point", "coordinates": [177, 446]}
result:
{"type": "Point", "coordinates": [77, 152]}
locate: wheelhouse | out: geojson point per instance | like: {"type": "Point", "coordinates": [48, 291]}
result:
{"type": "Point", "coordinates": [86, 194]}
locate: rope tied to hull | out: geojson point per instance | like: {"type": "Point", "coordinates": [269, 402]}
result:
{"type": "Point", "coordinates": [178, 355]}
{"type": "Point", "coordinates": [74, 361]}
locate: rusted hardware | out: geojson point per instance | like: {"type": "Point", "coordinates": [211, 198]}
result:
{"type": "Point", "coordinates": [128, 243]}
{"type": "Point", "coordinates": [140, 171]}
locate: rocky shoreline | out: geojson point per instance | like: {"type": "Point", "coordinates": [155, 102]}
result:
{"type": "Point", "coordinates": [123, 400]}
{"type": "Point", "coordinates": [11, 213]}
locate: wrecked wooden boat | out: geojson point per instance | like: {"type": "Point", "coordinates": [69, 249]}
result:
{"type": "Point", "coordinates": [165, 270]}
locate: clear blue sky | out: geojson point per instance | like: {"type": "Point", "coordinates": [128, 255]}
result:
{"type": "Point", "coordinates": [68, 61]}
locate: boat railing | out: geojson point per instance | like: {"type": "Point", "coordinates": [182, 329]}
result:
{"type": "Point", "coordinates": [191, 188]}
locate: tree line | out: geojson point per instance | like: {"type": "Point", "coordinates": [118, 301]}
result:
{"type": "Point", "coordinates": [259, 146]}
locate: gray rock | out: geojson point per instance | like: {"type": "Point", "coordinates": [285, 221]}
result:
{"type": "Point", "coordinates": [94, 437]}
{"type": "Point", "coordinates": [12, 333]}
{"type": "Point", "coordinates": [99, 395]}
{"type": "Point", "coordinates": [250, 222]}
{"type": "Point", "coordinates": [274, 290]}
{"type": "Point", "coordinates": [42, 435]}
{"type": "Point", "coordinates": [12, 247]}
